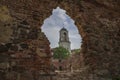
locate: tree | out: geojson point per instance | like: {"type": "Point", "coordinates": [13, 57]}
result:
{"type": "Point", "coordinates": [60, 53]}
{"type": "Point", "coordinates": [77, 51]}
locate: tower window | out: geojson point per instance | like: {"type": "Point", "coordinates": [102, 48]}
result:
{"type": "Point", "coordinates": [65, 36]}
{"type": "Point", "coordinates": [64, 33]}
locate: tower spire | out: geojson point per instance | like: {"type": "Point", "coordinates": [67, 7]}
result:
{"type": "Point", "coordinates": [63, 24]}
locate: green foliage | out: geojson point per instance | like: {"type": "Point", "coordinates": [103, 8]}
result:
{"type": "Point", "coordinates": [60, 53]}
{"type": "Point", "coordinates": [77, 51]}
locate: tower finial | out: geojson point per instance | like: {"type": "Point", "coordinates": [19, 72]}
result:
{"type": "Point", "coordinates": [63, 24]}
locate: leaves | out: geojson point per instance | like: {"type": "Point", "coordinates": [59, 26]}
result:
{"type": "Point", "coordinates": [60, 53]}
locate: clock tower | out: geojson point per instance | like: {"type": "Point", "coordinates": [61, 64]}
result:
{"type": "Point", "coordinates": [64, 39]}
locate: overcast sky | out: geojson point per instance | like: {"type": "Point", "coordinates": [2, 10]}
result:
{"type": "Point", "coordinates": [55, 22]}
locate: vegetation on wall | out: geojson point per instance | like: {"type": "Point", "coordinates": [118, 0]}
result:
{"type": "Point", "coordinates": [77, 51]}
{"type": "Point", "coordinates": [60, 53]}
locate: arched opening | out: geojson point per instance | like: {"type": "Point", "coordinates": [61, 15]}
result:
{"type": "Point", "coordinates": [65, 36]}
{"type": "Point", "coordinates": [57, 21]}
{"type": "Point", "coordinates": [61, 30]}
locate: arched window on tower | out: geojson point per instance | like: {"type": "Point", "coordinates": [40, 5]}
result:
{"type": "Point", "coordinates": [65, 36]}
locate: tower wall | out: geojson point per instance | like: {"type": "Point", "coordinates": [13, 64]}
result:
{"type": "Point", "coordinates": [66, 45]}
{"type": "Point", "coordinates": [64, 39]}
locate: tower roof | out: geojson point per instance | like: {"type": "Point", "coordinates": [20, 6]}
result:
{"type": "Point", "coordinates": [63, 29]}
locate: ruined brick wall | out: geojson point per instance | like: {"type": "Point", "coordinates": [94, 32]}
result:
{"type": "Point", "coordinates": [24, 50]}
{"type": "Point", "coordinates": [98, 22]}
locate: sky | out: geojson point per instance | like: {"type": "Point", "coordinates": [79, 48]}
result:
{"type": "Point", "coordinates": [55, 22]}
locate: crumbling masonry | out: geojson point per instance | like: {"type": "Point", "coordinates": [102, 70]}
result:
{"type": "Point", "coordinates": [98, 22]}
